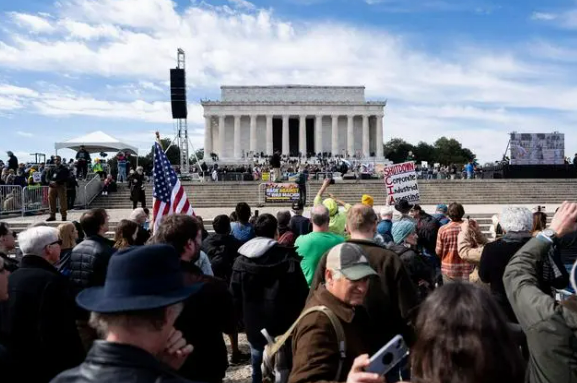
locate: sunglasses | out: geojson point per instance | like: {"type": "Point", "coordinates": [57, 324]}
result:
{"type": "Point", "coordinates": [55, 242]}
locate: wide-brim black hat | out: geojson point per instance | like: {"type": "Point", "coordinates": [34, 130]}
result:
{"type": "Point", "coordinates": [403, 205]}
{"type": "Point", "coordinates": [139, 278]}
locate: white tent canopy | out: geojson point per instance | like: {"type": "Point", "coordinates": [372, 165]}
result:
{"type": "Point", "coordinates": [96, 142]}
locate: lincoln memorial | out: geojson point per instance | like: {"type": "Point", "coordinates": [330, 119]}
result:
{"type": "Point", "coordinates": [297, 120]}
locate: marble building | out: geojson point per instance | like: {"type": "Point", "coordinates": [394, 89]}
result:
{"type": "Point", "coordinates": [294, 119]}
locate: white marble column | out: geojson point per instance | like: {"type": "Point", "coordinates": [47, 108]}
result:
{"type": "Point", "coordinates": [379, 136]}
{"type": "Point", "coordinates": [237, 148]}
{"type": "Point", "coordinates": [269, 142]}
{"type": "Point", "coordinates": [335, 136]}
{"type": "Point", "coordinates": [221, 137]}
{"type": "Point", "coordinates": [285, 135]}
{"type": "Point", "coordinates": [350, 136]}
{"type": "Point", "coordinates": [366, 141]}
{"type": "Point", "coordinates": [253, 137]}
{"type": "Point", "coordinates": [207, 136]}
{"type": "Point", "coordinates": [319, 134]}
{"type": "Point", "coordinates": [303, 135]}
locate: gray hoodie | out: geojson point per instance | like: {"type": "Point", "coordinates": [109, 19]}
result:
{"type": "Point", "coordinates": [256, 247]}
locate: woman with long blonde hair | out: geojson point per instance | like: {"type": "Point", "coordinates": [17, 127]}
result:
{"type": "Point", "coordinates": [68, 234]}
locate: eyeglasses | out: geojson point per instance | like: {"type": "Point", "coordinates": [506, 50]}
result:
{"type": "Point", "coordinates": [55, 242]}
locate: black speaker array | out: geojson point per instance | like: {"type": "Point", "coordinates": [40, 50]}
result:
{"type": "Point", "coordinates": [178, 93]}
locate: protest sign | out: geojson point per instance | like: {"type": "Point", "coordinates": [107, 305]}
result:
{"type": "Point", "coordinates": [281, 192]}
{"type": "Point", "coordinates": [36, 177]}
{"type": "Point", "coordinates": [401, 183]}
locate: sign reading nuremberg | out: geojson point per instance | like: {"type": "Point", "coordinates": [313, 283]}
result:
{"type": "Point", "coordinates": [401, 183]}
{"type": "Point", "coordinates": [281, 192]}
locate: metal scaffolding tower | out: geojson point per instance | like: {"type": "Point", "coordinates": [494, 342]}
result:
{"type": "Point", "coordinates": [181, 123]}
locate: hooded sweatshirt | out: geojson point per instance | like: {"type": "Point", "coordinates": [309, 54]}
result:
{"type": "Point", "coordinates": [268, 288]}
{"type": "Point", "coordinates": [338, 219]}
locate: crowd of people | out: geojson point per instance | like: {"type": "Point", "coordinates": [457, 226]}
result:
{"type": "Point", "coordinates": [334, 287]}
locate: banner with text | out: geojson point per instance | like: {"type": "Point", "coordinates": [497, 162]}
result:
{"type": "Point", "coordinates": [281, 192]}
{"type": "Point", "coordinates": [401, 183]}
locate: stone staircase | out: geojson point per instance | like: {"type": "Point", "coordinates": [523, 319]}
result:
{"type": "Point", "coordinates": [484, 192]}
{"type": "Point", "coordinates": [484, 221]}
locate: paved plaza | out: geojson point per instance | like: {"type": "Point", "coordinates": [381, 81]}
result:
{"type": "Point", "coordinates": [211, 212]}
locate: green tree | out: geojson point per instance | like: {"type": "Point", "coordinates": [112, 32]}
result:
{"type": "Point", "coordinates": [425, 152]}
{"type": "Point", "coordinates": [397, 150]}
{"type": "Point", "coordinates": [199, 154]}
{"type": "Point", "coordinates": [173, 153]}
{"type": "Point", "coordinates": [450, 151]}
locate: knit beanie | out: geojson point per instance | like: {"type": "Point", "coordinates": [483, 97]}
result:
{"type": "Point", "coordinates": [367, 200]}
{"type": "Point", "coordinates": [402, 230]}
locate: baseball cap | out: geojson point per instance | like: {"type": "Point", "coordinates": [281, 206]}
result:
{"type": "Point", "coordinates": [297, 205]}
{"type": "Point", "coordinates": [442, 207]}
{"type": "Point", "coordinates": [350, 260]}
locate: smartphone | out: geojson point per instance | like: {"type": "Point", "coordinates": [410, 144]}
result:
{"type": "Point", "coordinates": [388, 356]}
{"type": "Point", "coordinates": [256, 213]}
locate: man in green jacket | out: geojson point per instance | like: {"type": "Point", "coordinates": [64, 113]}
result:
{"type": "Point", "coordinates": [550, 326]}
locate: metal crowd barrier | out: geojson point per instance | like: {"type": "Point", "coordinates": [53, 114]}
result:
{"type": "Point", "coordinates": [92, 189]}
{"type": "Point", "coordinates": [34, 199]}
{"type": "Point", "coordinates": [10, 199]}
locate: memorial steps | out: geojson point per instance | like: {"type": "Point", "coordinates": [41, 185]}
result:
{"type": "Point", "coordinates": [432, 192]}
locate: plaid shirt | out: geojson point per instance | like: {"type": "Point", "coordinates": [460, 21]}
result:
{"type": "Point", "coordinates": [448, 251]}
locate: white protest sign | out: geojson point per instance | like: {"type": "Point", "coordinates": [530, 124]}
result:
{"type": "Point", "coordinates": [401, 183]}
{"type": "Point", "coordinates": [36, 177]}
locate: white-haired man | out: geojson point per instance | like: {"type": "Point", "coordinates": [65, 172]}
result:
{"type": "Point", "coordinates": [42, 339]}
{"type": "Point", "coordinates": [550, 327]}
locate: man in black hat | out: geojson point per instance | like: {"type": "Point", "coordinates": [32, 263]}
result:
{"type": "Point", "coordinates": [135, 312]}
{"type": "Point", "coordinates": [299, 225]}
{"type": "Point", "coordinates": [404, 207]}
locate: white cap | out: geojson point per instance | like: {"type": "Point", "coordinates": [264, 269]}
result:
{"type": "Point", "coordinates": [34, 240]}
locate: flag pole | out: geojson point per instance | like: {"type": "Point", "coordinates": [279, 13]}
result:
{"type": "Point", "coordinates": [157, 134]}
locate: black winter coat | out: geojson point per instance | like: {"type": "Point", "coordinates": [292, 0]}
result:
{"type": "Point", "coordinates": [42, 336]}
{"type": "Point", "coordinates": [222, 250]}
{"type": "Point", "coordinates": [494, 259]}
{"type": "Point", "coordinates": [268, 288]}
{"type": "Point", "coordinates": [119, 363]}
{"type": "Point", "coordinates": [13, 163]}
{"type": "Point", "coordinates": [421, 273]}
{"type": "Point", "coordinates": [89, 261]}
{"type": "Point", "coordinates": [136, 182]}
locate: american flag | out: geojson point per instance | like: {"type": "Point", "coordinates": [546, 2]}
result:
{"type": "Point", "coordinates": [168, 196]}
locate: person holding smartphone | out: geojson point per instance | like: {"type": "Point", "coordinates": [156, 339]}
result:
{"type": "Point", "coordinates": [316, 354]}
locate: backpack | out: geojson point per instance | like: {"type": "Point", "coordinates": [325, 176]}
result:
{"type": "Point", "coordinates": [277, 357]}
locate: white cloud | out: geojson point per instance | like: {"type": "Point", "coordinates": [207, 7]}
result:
{"type": "Point", "coordinates": [133, 42]}
{"type": "Point", "coordinates": [543, 16]}
{"type": "Point", "coordinates": [36, 24]}
{"type": "Point", "coordinates": [242, 4]}
{"type": "Point", "coordinates": [24, 134]}
{"type": "Point", "coordinates": [11, 90]}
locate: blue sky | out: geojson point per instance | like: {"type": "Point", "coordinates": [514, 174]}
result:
{"type": "Point", "coordinates": [470, 69]}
